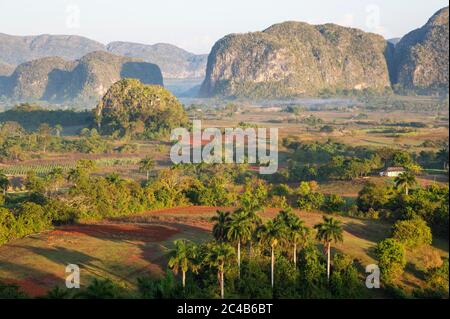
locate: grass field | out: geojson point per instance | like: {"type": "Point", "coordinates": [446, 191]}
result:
{"type": "Point", "coordinates": [127, 248]}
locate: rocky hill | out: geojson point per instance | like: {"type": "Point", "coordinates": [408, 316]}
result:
{"type": "Point", "coordinates": [133, 108]}
{"type": "Point", "coordinates": [296, 59]}
{"type": "Point", "coordinates": [83, 81]}
{"type": "Point", "coordinates": [175, 63]}
{"type": "Point", "coordinates": [6, 69]}
{"type": "Point", "coordinates": [16, 50]}
{"type": "Point", "coordinates": [421, 57]}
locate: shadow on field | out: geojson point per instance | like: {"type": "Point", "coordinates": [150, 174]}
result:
{"type": "Point", "coordinates": [33, 281]}
{"type": "Point", "coordinates": [60, 255]}
{"type": "Point", "coordinates": [368, 230]}
{"type": "Point", "coordinates": [64, 257]}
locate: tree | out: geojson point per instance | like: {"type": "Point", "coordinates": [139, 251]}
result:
{"type": "Point", "coordinates": [58, 129]}
{"type": "Point", "coordinates": [217, 256]}
{"type": "Point", "coordinates": [442, 157]}
{"type": "Point", "coordinates": [58, 293]}
{"type": "Point", "coordinates": [55, 178]}
{"type": "Point", "coordinates": [100, 289]}
{"type": "Point", "coordinates": [390, 254]}
{"type": "Point", "coordinates": [294, 229]}
{"type": "Point", "coordinates": [183, 258]}
{"type": "Point", "coordinates": [220, 228]}
{"type": "Point", "coordinates": [146, 165]}
{"type": "Point", "coordinates": [44, 133]}
{"type": "Point", "coordinates": [239, 230]}
{"type": "Point", "coordinates": [270, 234]}
{"type": "Point", "coordinates": [405, 181]}
{"type": "Point", "coordinates": [413, 232]}
{"type": "Point", "coordinates": [4, 183]}
{"type": "Point", "coordinates": [330, 230]}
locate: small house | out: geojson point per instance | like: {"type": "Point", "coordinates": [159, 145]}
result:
{"type": "Point", "coordinates": [392, 171]}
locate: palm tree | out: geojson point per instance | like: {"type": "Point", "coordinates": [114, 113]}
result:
{"type": "Point", "coordinates": [405, 181]}
{"type": "Point", "coordinates": [58, 293]}
{"type": "Point", "coordinates": [239, 230]}
{"type": "Point", "coordinates": [146, 165]}
{"type": "Point", "coordinates": [216, 258]}
{"type": "Point", "coordinates": [4, 183]}
{"type": "Point", "coordinates": [270, 234]}
{"type": "Point", "coordinates": [220, 228]}
{"type": "Point", "coordinates": [100, 289]}
{"type": "Point", "coordinates": [183, 258]}
{"type": "Point", "coordinates": [256, 222]}
{"type": "Point", "coordinates": [330, 230]}
{"type": "Point", "coordinates": [295, 230]}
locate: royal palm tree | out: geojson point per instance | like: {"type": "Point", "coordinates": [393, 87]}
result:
{"type": "Point", "coordinates": [216, 257]}
{"type": "Point", "coordinates": [270, 234]}
{"type": "Point", "coordinates": [330, 230]}
{"type": "Point", "coordinates": [256, 222]}
{"type": "Point", "coordinates": [239, 231]}
{"type": "Point", "coordinates": [4, 183]}
{"type": "Point", "coordinates": [183, 258]}
{"type": "Point", "coordinates": [294, 230]}
{"type": "Point", "coordinates": [220, 228]}
{"type": "Point", "coordinates": [405, 181]}
{"type": "Point", "coordinates": [146, 165]}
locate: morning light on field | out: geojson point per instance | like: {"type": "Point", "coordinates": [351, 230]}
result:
{"type": "Point", "coordinates": [244, 150]}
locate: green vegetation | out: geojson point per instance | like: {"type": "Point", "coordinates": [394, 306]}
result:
{"type": "Point", "coordinates": [32, 116]}
{"type": "Point", "coordinates": [391, 257]}
{"type": "Point", "coordinates": [130, 108]}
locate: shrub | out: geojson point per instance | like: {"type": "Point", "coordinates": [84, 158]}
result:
{"type": "Point", "coordinates": [333, 203]}
{"type": "Point", "coordinates": [412, 233]}
{"type": "Point", "coordinates": [390, 254]}
{"type": "Point", "coordinates": [437, 277]}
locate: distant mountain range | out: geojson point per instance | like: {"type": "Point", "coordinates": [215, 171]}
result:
{"type": "Point", "coordinates": [290, 59]}
{"type": "Point", "coordinates": [174, 62]}
{"type": "Point", "coordinates": [296, 59]}
{"type": "Point", "coordinates": [422, 56]}
{"type": "Point", "coordinates": [84, 81]}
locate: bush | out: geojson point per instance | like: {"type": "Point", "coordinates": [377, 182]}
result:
{"type": "Point", "coordinates": [437, 278]}
{"type": "Point", "coordinates": [333, 203]}
{"type": "Point", "coordinates": [412, 233]}
{"type": "Point", "coordinates": [344, 280]}
{"type": "Point", "coordinates": [390, 254]}
{"type": "Point", "coordinates": [8, 291]}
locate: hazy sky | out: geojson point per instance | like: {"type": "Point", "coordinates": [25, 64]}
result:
{"type": "Point", "coordinates": [196, 24]}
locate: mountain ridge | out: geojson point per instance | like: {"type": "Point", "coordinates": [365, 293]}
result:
{"type": "Point", "coordinates": [292, 59]}
{"type": "Point", "coordinates": [84, 81]}
{"type": "Point", "coordinates": [174, 62]}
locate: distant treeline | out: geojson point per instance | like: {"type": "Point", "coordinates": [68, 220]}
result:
{"type": "Point", "coordinates": [31, 117]}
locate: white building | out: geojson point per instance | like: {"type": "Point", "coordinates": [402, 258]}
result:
{"type": "Point", "coordinates": [392, 171]}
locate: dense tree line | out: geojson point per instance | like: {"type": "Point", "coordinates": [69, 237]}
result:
{"type": "Point", "coordinates": [316, 161]}
{"type": "Point", "coordinates": [31, 116]}
{"type": "Point", "coordinates": [17, 144]}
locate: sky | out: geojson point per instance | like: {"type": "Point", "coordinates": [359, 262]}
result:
{"type": "Point", "coordinates": [195, 25]}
